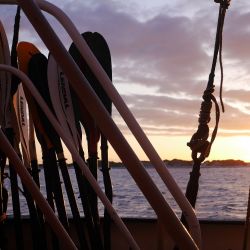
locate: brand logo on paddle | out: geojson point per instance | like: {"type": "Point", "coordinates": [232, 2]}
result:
{"type": "Point", "coordinates": [63, 90]}
{"type": "Point", "coordinates": [22, 111]}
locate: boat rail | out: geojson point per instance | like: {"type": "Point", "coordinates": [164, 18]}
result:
{"type": "Point", "coordinates": [165, 214]}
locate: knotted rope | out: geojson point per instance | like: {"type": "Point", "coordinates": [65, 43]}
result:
{"type": "Point", "coordinates": [199, 143]}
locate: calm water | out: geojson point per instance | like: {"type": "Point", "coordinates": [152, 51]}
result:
{"type": "Point", "coordinates": [222, 195]}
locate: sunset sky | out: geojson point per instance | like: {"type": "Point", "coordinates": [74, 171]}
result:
{"type": "Point", "coordinates": [161, 55]}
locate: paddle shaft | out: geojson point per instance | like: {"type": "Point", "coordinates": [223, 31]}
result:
{"type": "Point", "coordinates": [108, 191]}
{"type": "Point", "coordinates": [15, 197]}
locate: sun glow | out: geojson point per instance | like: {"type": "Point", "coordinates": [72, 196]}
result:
{"type": "Point", "coordinates": [235, 147]}
{"type": "Point", "coordinates": [175, 147]}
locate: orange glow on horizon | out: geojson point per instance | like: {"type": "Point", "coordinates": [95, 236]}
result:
{"type": "Point", "coordinates": [175, 147]}
{"type": "Point", "coordinates": [235, 147]}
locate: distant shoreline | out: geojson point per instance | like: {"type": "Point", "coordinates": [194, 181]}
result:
{"type": "Point", "coordinates": [178, 163]}
{"type": "Point", "coordinates": [185, 163]}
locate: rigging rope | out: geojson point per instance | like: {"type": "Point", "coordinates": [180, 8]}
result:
{"type": "Point", "coordinates": [199, 143]}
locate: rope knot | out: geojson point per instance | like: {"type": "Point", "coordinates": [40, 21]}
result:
{"type": "Point", "coordinates": [203, 150]}
{"type": "Point", "coordinates": [207, 94]}
{"type": "Point", "coordinates": [199, 142]}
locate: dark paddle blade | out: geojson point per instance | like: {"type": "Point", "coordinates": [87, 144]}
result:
{"type": "Point", "coordinates": [103, 55]}
{"type": "Point", "coordinates": [99, 47]}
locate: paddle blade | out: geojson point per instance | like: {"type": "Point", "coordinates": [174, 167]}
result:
{"type": "Point", "coordinates": [20, 106]}
{"type": "Point", "coordinates": [61, 100]}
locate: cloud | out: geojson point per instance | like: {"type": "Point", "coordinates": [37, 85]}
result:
{"type": "Point", "coordinates": [167, 49]}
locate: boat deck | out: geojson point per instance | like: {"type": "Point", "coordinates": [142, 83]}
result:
{"type": "Point", "coordinates": [216, 235]}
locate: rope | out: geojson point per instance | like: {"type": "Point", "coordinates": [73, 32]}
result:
{"type": "Point", "coordinates": [199, 143]}
{"type": "Point", "coordinates": [223, 7]}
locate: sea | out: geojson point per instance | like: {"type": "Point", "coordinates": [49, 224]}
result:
{"type": "Point", "coordinates": [223, 193]}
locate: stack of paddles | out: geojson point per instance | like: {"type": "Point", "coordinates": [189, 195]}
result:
{"type": "Point", "coordinates": [22, 120]}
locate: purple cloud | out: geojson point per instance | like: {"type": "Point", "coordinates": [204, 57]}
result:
{"type": "Point", "coordinates": [170, 49]}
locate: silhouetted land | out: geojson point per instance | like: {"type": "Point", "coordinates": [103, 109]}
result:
{"type": "Point", "coordinates": [185, 163]}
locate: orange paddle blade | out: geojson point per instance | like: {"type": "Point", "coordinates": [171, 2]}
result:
{"type": "Point", "coordinates": [25, 51]}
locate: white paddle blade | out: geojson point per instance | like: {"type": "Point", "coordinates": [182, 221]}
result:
{"type": "Point", "coordinates": [20, 105]}
{"type": "Point", "coordinates": [61, 99]}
